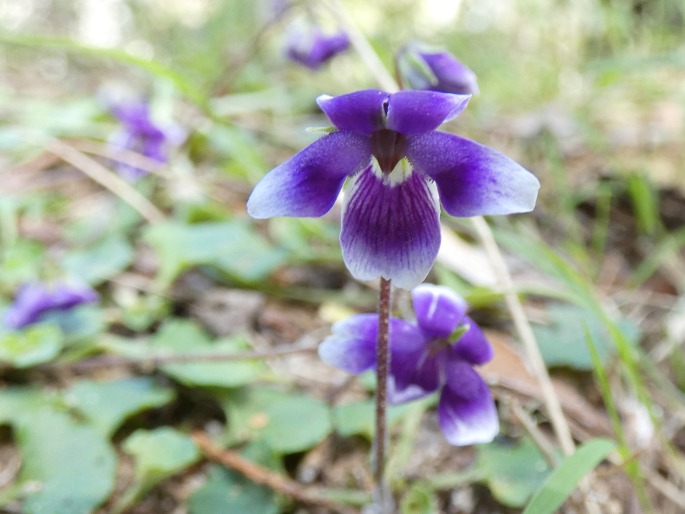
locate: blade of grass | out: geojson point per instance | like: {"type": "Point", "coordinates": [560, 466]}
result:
{"type": "Point", "coordinates": [152, 67]}
{"type": "Point", "coordinates": [567, 476]}
{"type": "Point", "coordinates": [632, 467]}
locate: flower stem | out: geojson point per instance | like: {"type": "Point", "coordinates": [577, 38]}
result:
{"type": "Point", "coordinates": [382, 494]}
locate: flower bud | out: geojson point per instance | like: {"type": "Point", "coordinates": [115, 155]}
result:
{"type": "Point", "coordinates": [424, 67]}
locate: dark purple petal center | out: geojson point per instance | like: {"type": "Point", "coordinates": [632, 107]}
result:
{"type": "Point", "coordinates": [388, 147]}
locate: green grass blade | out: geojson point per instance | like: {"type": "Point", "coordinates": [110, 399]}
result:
{"type": "Point", "coordinates": [152, 67]}
{"type": "Point", "coordinates": [564, 479]}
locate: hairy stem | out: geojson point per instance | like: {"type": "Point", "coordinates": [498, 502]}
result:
{"type": "Point", "coordinates": [382, 369]}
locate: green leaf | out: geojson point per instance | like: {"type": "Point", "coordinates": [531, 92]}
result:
{"type": "Point", "coordinates": [231, 247]}
{"type": "Point", "coordinates": [35, 344]}
{"type": "Point", "coordinates": [357, 418]}
{"type": "Point", "coordinates": [419, 500]}
{"type": "Point", "coordinates": [185, 337]}
{"type": "Point", "coordinates": [107, 404]}
{"type": "Point", "coordinates": [227, 491]}
{"type": "Point", "coordinates": [296, 424]}
{"type": "Point", "coordinates": [512, 471]}
{"type": "Point", "coordinates": [72, 464]}
{"type": "Point", "coordinates": [102, 262]}
{"type": "Point", "coordinates": [564, 479]}
{"type": "Point", "coordinates": [19, 402]}
{"type": "Point", "coordinates": [563, 342]}
{"type": "Point", "coordinates": [79, 324]}
{"type": "Point", "coordinates": [160, 453]}
{"type": "Point", "coordinates": [286, 422]}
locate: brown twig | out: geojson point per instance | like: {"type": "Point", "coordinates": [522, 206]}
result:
{"type": "Point", "coordinates": [263, 476]}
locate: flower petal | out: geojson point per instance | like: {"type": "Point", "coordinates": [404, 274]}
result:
{"type": "Point", "coordinates": [438, 309]}
{"type": "Point", "coordinates": [31, 301]}
{"type": "Point", "coordinates": [352, 345]}
{"type": "Point", "coordinates": [414, 375]}
{"type": "Point", "coordinates": [308, 183]}
{"type": "Point", "coordinates": [414, 112]}
{"type": "Point", "coordinates": [391, 231]}
{"type": "Point", "coordinates": [473, 180]}
{"type": "Point", "coordinates": [467, 412]}
{"type": "Point", "coordinates": [473, 347]}
{"type": "Point", "coordinates": [361, 111]}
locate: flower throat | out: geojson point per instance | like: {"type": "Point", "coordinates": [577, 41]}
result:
{"type": "Point", "coordinates": [388, 147]}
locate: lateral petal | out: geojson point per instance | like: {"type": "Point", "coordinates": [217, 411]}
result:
{"type": "Point", "coordinates": [472, 179]}
{"type": "Point", "coordinates": [308, 183]}
{"type": "Point", "coordinates": [352, 345]}
{"type": "Point", "coordinates": [473, 347]}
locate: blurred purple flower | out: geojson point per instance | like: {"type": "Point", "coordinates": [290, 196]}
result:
{"type": "Point", "coordinates": [425, 67]}
{"type": "Point", "coordinates": [436, 353]}
{"type": "Point", "coordinates": [35, 299]}
{"type": "Point", "coordinates": [138, 133]}
{"type": "Point", "coordinates": [313, 48]}
{"type": "Point", "coordinates": [389, 146]}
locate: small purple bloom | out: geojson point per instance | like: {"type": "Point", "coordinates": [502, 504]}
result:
{"type": "Point", "coordinates": [138, 133]}
{"type": "Point", "coordinates": [313, 48]}
{"type": "Point", "coordinates": [387, 144]}
{"type": "Point", "coordinates": [425, 67]}
{"type": "Point", "coordinates": [437, 353]}
{"type": "Point", "coordinates": [35, 299]}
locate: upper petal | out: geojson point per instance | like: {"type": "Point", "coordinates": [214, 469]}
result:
{"type": "Point", "coordinates": [413, 111]}
{"type": "Point", "coordinates": [352, 345]}
{"type": "Point", "coordinates": [361, 111]}
{"type": "Point", "coordinates": [467, 412]}
{"type": "Point", "coordinates": [473, 347]}
{"type": "Point", "coordinates": [391, 231]}
{"type": "Point", "coordinates": [308, 183]}
{"type": "Point", "coordinates": [473, 180]}
{"type": "Point", "coordinates": [438, 309]}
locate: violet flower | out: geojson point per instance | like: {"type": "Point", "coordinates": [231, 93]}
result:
{"type": "Point", "coordinates": [313, 48]}
{"type": "Point", "coordinates": [388, 145]}
{"type": "Point", "coordinates": [139, 133]}
{"type": "Point", "coordinates": [436, 353]}
{"type": "Point", "coordinates": [35, 299]}
{"type": "Point", "coordinates": [425, 67]}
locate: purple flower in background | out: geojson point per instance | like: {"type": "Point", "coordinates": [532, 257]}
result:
{"type": "Point", "coordinates": [313, 48]}
{"type": "Point", "coordinates": [138, 133]}
{"type": "Point", "coordinates": [436, 353]}
{"type": "Point", "coordinates": [398, 162]}
{"type": "Point", "coordinates": [35, 299]}
{"type": "Point", "coordinates": [425, 67]}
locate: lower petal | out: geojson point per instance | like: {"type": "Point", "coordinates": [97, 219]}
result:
{"type": "Point", "coordinates": [308, 183]}
{"type": "Point", "coordinates": [390, 230]}
{"type": "Point", "coordinates": [473, 180]}
{"type": "Point", "coordinates": [467, 412]}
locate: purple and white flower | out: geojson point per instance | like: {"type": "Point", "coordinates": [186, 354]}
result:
{"type": "Point", "coordinates": [425, 67]}
{"type": "Point", "coordinates": [436, 353]}
{"type": "Point", "coordinates": [313, 47]}
{"type": "Point", "coordinates": [35, 299]}
{"type": "Point", "coordinates": [139, 133]}
{"type": "Point", "coordinates": [387, 144]}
